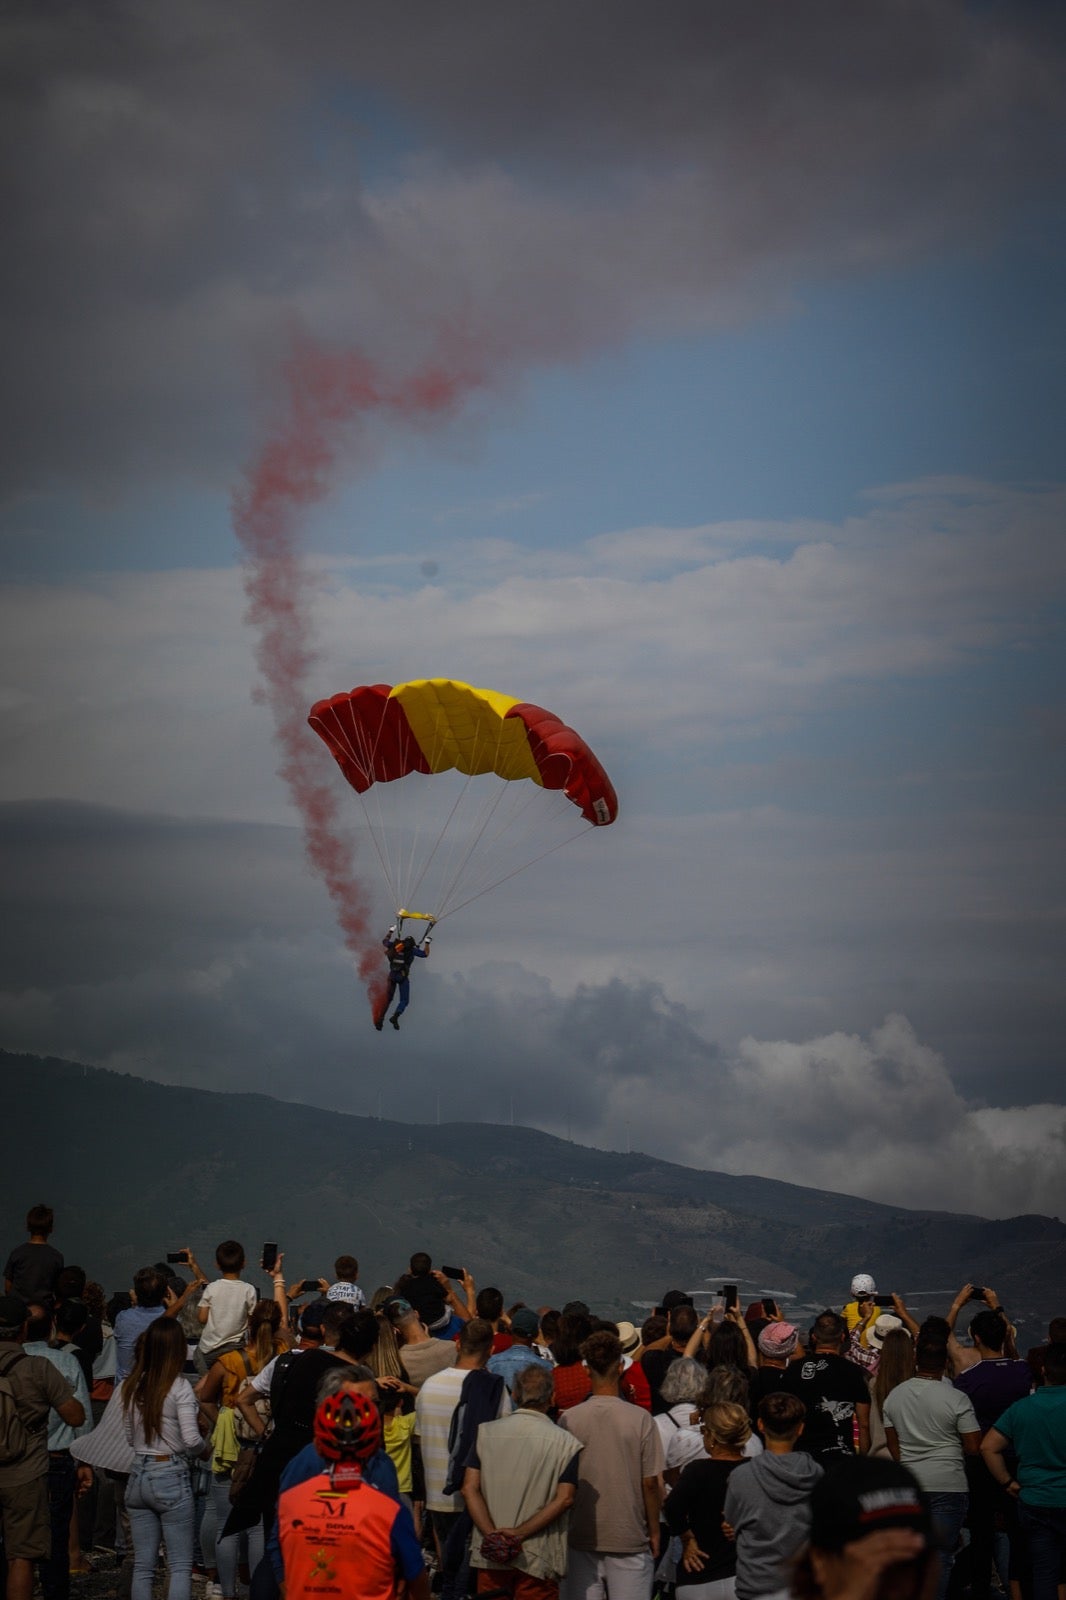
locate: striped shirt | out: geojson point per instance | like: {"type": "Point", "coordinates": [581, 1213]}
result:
{"type": "Point", "coordinates": [434, 1405]}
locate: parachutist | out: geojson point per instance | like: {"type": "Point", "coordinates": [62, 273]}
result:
{"type": "Point", "coordinates": [400, 953]}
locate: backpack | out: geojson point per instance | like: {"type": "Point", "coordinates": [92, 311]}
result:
{"type": "Point", "coordinates": [280, 1377]}
{"type": "Point", "coordinates": [14, 1437]}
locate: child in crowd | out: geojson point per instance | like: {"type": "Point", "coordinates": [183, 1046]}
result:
{"type": "Point", "coordinates": [346, 1288]}
{"type": "Point", "coordinates": [225, 1307]}
{"type": "Point", "coordinates": [32, 1268]}
{"type": "Point", "coordinates": [398, 1431]}
{"type": "Point", "coordinates": [767, 1501]}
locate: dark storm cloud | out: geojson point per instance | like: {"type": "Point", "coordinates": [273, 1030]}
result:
{"type": "Point", "coordinates": [180, 181]}
{"type": "Point", "coordinates": [198, 954]}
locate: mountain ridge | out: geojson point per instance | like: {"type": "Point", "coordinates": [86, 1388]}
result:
{"type": "Point", "coordinates": [121, 1158]}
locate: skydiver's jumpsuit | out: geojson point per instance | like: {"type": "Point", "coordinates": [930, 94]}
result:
{"type": "Point", "coordinates": [400, 953]}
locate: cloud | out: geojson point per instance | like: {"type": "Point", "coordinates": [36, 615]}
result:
{"type": "Point", "coordinates": [143, 697]}
{"type": "Point", "coordinates": [198, 954]}
{"type": "Point", "coordinates": [186, 184]}
{"type": "Point", "coordinates": [726, 1026]}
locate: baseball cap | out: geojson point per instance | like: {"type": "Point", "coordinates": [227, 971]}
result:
{"type": "Point", "coordinates": [863, 1284]}
{"type": "Point", "coordinates": [882, 1327]}
{"type": "Point", "coordinates": [674, 1297]}
{"type": "Point", "coordinates": [862, 1497]}
{"type": "Point", "coordinates": [312, 1314]}
{"type": "Point", "coordinates": [778, 1339]}
{"type": "Point", "coordinates": [525, 1323]}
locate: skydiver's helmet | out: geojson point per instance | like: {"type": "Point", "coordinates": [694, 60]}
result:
{"type": "Point", "coordinates": [347, 1427]}
{"type": "Point", "coordinates": [863, 1286]}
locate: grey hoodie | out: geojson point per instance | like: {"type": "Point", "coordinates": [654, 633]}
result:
{"type": "Point", "coordinates": [768, 1505]}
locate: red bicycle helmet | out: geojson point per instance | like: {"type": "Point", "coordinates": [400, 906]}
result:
{"type": "Point", "coordinates": [347, 1427]}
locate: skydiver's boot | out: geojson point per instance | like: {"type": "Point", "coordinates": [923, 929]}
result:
{"type": "Point", "coordinates": [395, 1020]}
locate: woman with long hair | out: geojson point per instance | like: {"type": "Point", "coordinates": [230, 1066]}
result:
{"type": "Point", "coordinates": [161, 1422]}
{"type": "Point", "coordinates": [217, 1392]}
{"type": "Point", "coordinates": [895, 1367]}
{"type": "Point", "coordinates": [693, 1509]}
{"type": "Point", "coordinates": [384, 1359]}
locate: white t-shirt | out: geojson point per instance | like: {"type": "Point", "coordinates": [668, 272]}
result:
{"type": "Point", "coordinates": [929, 1419]}
{"type": "Point", "coordinates": [178, 1430]}
{"type": "Point", "coordinates": [230, 1303]}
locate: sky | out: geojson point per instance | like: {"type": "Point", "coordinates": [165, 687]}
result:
{"type": "Point", "coordinates": [743, 453]}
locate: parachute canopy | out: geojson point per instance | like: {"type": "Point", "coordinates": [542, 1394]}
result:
{"type": "Point", "coordinates": [380, 734]}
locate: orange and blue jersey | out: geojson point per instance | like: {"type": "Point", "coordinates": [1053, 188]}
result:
{"type": "Point", "coordinates": [352, 1542]}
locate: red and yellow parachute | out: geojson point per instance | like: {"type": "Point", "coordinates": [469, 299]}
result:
{"type": "Point", "coordinates": [380, 735]}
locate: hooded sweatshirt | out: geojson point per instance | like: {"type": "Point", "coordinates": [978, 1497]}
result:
{"type": "Point", "coordinates": [768, 1505]}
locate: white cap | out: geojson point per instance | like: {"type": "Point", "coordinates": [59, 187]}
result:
{"type": "Point", "coordinates": [863, 1284]}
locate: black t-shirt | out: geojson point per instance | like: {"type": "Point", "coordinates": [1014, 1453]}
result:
{"type": "Point", "coordinates": [91, 1339]}
{"type": "Point", "coordinates": [764, 1381]}
{"type": "Point", "coordinates": [33, 1270]}
{"type": "Point", "coordinates": [695, 1504]}
{"type": "Point", "coordinates": [656, 1363]}
{"type": "Point", "coordinates": [830, 1388]}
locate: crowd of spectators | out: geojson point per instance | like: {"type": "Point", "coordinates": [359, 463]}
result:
{"type": "Point", "coordinates": [312, 1443]}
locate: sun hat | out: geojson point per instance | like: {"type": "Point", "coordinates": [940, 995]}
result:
{"type": "Point", "coordinates": [884, 1325]}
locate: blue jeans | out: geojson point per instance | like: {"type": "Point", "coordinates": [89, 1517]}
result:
{"type": "Point", "coordinates": [948, 1512]}
{"type": "Point", "coordinates": [227, 1550]}
{"type": "Point", "coordinates": [1045, 1529]}
{"type": "Point", "coordinates": [160, 1503]}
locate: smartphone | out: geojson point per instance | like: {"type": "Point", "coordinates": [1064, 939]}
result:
{"type": "Point", "coordinates": [453, 1272]}
{"type": "Point", "coordinates": [270, 1256]}
{"type": "Point", "coordinates": [308, 1284]}
{"type": "Point", "coordinates": [729, 1295]}
{"type": "Point", "coordinates": [178, 1258]}
{"type": "Point", "coordinates": [769, 1308]}
{"type": "Point", "coordinates": [883, 1300]}
{"type": "Point", "coordinates": [977, 1292]}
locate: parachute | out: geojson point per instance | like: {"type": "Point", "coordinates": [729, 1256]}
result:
{"type": "Point", "coordinates": [510, 784]}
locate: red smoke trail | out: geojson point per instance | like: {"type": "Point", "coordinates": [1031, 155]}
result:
{"type": "Point", "coordinates": [327, 394]}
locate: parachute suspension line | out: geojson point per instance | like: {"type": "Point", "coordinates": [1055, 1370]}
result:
{"type": "Point", "coordinates": [373, 832]}
{"type": "Point", "coordinates": [359, 748]}
{"type": "Point", "coordinates": [442, 831]}
{"type": "Point", "coordinates": [407, 866]}
{"type": "Point", "coordinates": [379, 833]}
{"type": "Point", "coordinates": [514, 873]}
{"type": "Point", "coordinates": [461, 844]}
{"type": "Point", "coordinates": [472, 845]}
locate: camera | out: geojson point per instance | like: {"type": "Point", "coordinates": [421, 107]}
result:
{"type": "Point", "coordinates": [178, 1258]}
{"type": "Point", "coordinates": [883, 1300]}
{"type": "Point", "coordinates": [269, 1258]}
{"type": "Point", "coordinates": [729, 1294]}
{"type": "Point", "coordinates": [308, 1284]}
{"type": "Point", "coordinates": [453, 1272]}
